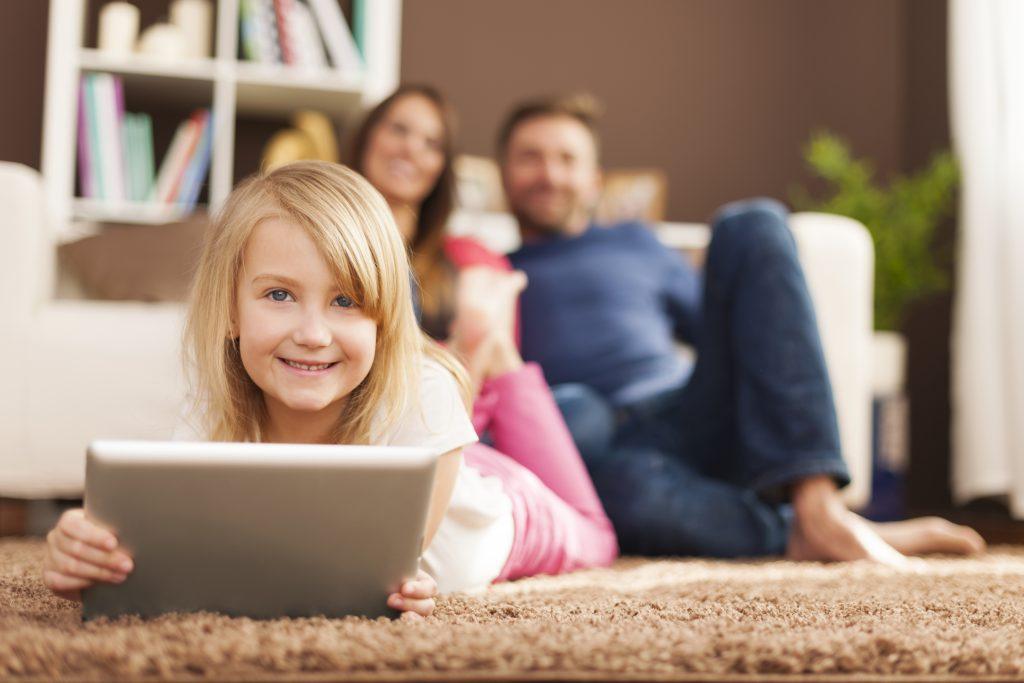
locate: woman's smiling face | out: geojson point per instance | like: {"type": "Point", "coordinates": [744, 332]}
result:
{"type": "Point", "coordinates": [405, 152]}
{"type": "Point", "coordinates": [305, 343]}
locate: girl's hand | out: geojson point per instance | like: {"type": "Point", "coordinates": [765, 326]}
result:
{"type": "Point", "coordinates": [416, 599]}
{"type": "Point", "coordinates": [80, 553]}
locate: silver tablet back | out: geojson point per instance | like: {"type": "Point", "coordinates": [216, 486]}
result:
{"type": "Point", "coordinates": [258, 530]}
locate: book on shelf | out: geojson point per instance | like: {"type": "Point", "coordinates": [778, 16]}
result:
{"type": "Point", "coordinates": [115, 150]}
{"type": "Point", "coordinates": [359, 26]}
{"type": "Point", "coordinates": [175, 184]}
{"type": "Point", "coordinates": [303, 33]}
{"type": "Point", "coordinates": [309, 50]}
{"type": "Point", "coordinates": [198, 165]}
{"type": "Point", "coordinates": [345, 56]}
{"type": "Point", "coordinates": [85, 160]}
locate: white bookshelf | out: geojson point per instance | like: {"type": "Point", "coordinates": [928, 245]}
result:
{"type": "Point", "coordinates": [230, 87]}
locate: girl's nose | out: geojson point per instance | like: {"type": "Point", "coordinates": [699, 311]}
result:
{"type": "Point", "coordinates": [312, 331]}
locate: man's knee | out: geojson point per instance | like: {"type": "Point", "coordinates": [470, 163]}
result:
{"type": "Point", "coordinates": [756, 226]}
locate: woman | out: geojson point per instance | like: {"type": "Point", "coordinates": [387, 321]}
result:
{"type": "Point", "coordinates": [467, 298]}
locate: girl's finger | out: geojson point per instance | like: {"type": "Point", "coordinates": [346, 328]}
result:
{"type": "Point", "coordinates": [419, 589]}
{"type": "Point", "coordinates": [115, 561]}
{"type": "Point", "coordinates": [422, 607]}
{"type": "Point", "coordinates": [61, 583]}
{"type": "Point", "coordinates": [74, 567]}
{"type": "Point", "coordinates": [411, 616]}
{"type": "Point", "coordinates": [75, 524]}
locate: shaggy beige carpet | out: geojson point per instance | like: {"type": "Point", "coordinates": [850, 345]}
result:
{"type": "Point", "coordinates": [660, 620]}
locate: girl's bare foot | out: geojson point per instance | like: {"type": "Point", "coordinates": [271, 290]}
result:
{"type": "Point", "coordinates": [930, 535]}
{"type": "Point", "coordinates": [483, 331]}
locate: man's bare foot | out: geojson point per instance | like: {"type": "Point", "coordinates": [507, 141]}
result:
{"type": "Point", "coordinates": [930, 535]}
{"type": "Point", "coordinates": [825, 530]}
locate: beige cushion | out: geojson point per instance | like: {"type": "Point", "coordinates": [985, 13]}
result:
{"type": "Point", "coordinates": [137, 263]}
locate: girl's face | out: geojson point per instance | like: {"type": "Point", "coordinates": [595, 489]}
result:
{"type": "Point", "coordinates": [302, 341]}
{"type": "Point", "coordinates": [404, 154]}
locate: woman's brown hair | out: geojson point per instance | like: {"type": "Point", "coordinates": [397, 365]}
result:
{"type": "Point", "coordinates": [432, 270]}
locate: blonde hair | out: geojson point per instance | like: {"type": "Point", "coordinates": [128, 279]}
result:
{"type": "Point", "coordinates": [355, 232]}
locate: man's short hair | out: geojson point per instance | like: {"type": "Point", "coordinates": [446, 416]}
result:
{"type": "Point", "coordinates": [583, 107]}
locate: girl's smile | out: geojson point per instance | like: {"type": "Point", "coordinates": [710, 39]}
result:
{"type": "Point", "coordinates": [308, 368]}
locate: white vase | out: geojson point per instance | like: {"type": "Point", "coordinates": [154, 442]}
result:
{"type": "Point", "coordinates": [888, 363]}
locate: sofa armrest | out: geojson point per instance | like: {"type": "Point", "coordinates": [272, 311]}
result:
{"type": "Point", "coordinates": [87, 370]}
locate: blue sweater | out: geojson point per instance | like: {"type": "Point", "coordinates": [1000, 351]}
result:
{"type": "Point", "coordinates": [604, 309]}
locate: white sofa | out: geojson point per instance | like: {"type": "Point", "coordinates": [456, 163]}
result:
{"type": "Point", "coordinates": [78, 370]}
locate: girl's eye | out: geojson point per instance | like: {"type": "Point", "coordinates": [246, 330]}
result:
{"type": "Point", "coordinates": [279, 295]}
{"type": "Point", "coordinates": [344, 301]}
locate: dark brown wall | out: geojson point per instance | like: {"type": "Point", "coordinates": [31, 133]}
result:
{"type": "Point", "coordinates": [22, 76]}
{"type": "Point", "coordinates": [719, 93]}
{"type": "Point", "coordinates": [927, 324]}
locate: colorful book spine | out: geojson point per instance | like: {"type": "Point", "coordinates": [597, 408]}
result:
{"type": "Point", "coordinates": [145, 138]}
{"type": "Point", "coordinates": [109, 137]}
{"type": "Point", "coordinates": [198, 166]}
{"type": "Point", "coordinates": [85, 153]}
{"type": "Point", "coordinates": [130, 165]}
{"type": "Point", "coordinates": [96, 159]}
{"type": "Point", "coordinates": [194, 136]}
{"type": "Point", "coordinates": [172, 159]}
{"type": "Point", "coordinates": [310, 49]}
{"type": "Point", "coordinates": [282, 11]}
{"type": "Point", "coordinates": [266, 32]}
{"type": "Point", "coordinates": [247, 30]}
{"type": "Point", "coordinates": [359, 26]}
{"type": "Point", "coordinates": [341, 45]}
{"type": "Point", "coordinates": [118, 85]}
{"type": "Point", "coordinates": [115, 147]}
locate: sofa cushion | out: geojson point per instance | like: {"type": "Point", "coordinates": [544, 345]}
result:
{"type": "Point", "coordinates": [137, 263]}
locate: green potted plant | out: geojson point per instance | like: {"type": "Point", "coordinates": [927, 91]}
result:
{"type": "Point", "coordinates": [902, 218]}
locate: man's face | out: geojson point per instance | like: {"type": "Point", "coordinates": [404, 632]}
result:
{"type": "Point", "coordinates": [551, 176]}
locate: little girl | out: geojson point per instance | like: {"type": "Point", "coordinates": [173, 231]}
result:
{"type": "Point", "coordinates": [301, 329]}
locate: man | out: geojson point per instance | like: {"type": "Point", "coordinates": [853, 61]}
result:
{"type": "Point", "coordinates": [738, 457]}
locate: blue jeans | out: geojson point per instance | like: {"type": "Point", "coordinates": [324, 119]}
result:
{"type": "Point", "coordinates": [705, 469]}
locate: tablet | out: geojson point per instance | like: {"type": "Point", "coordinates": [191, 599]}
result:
{"type": "Point", "coordinates": [258, 530]}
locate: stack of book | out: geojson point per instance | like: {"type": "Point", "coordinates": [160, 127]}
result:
{"type": "Point", "coordinates": [310, 34]}
{"type": "Point", "coordinates": [115, 150]}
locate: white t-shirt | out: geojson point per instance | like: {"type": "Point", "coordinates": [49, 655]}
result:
{"type": "Point", "coordinates": [475, 536]}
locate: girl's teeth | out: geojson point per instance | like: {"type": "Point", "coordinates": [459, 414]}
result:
{"type": "Point", "coordinates": [300, 366]}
